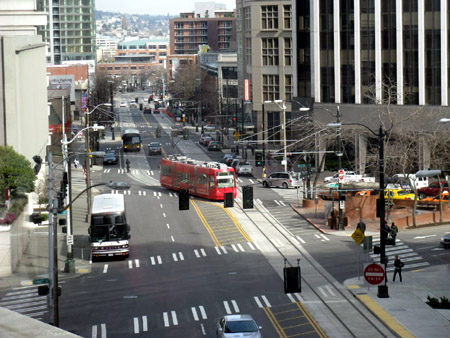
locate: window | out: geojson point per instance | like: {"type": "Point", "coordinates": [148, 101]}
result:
{"type": "Point", "coordinates": [270, 52]}
{"type": "Point", "coordinates": [271, 87]}
{"type": "Point", "coordinates": [288, 87]}
{"type": "Point", "coordinates": [287, 12]}
{"type": "Point", "coordinates": [269, 17]}
{"type": "Point", "coordinates": [288, 51]}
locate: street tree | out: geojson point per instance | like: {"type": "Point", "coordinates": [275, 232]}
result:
{"type": "Point", "coordinates": [16, 173]}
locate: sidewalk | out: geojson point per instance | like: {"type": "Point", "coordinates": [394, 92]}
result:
{"type": "Point", "coordinates": [405, 312]}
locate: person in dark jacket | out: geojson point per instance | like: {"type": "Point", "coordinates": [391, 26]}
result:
{"type": "Point", "coordinates": [398, 264]}
{"type": "Point", "coordinates": [394, 231]}
{"type": "Point", "coordinates": [361, 225]}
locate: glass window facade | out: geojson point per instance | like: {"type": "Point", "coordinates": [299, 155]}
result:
{"type": "Point", "coordinates": [327, 82]}
{"type": "Point", "coordinates": [410, 53]}
{"type": "Point", "coordinates": [303, 37]}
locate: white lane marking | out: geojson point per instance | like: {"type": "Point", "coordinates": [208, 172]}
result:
{"type": "Point", "coordinates": [159, 194]}
{"type": "Point", "coordinates": [103, 327]}
{"type": "Point", "coordinates": [152, 172]}
{"type": "Point", "coordinates": [236, 307]}
{"type": "Point", "coordinates": [196, 253]}
{"type": "Point", "coordinates": [278, 242]}
{"type": "Point", "coordinates": [139, 193]}
{"type": "Point", "coordinates": [203, 312]}
{"type": "Point", "coordinates": [137, 263]}
{"type": "Point", "coordinates": [144, 324]}
{"type": "Point", "coordinates": [258, 302]}
{"type": "Point", "coordinates": [251, 181]}
{"type": "Point", "coordinates": [136, 324]}
{"type": "Point", "coordinates": [152, 259]}
{"type": "Point", "coordinates": [217, 250]}
{"type": "Point", "coordinates": [426, 236]}
{"type": "Point", "coordinates": [19, 303]}
{"type": "Point", "coordinates": [324, 237]}
{"type": "Point", "coordinates": [161, 206]}
{"type": "Point", "coordinates": [281, 202]}
{"type": "Point", "coordinates": [194, 313]}
{"type": "Point", "coordinates": [257, 246]}
{"type": "Point", "coordinates": [130, 264]}
{"type": "Point", "coordinates": [277, 202]}
{"type": "Point", "coordinates": [159, 260]}
{"type": "Point", "coordinates": [266, 301]}
{"type": "Point", "coordinates": [330, 290]}
{"type": "Point", "coordinates": [164, 214]}
{"type": "Point", "coordinates": [251, 246]}
{"type": "Point", "coordinates": [317, 236]}
{"type": "Point", "coordinates": [224, 249]}
{"type": "Point", "coordinates": [168, 226]}
{"type": "Point", "coordinates": [154, 193]}
{"type": "Point", "coordinates": [300, 239]}
{"type": "Point", "coordinates": [175, 258]}
{"type": "Point", "coordinates": [203, 252]}
{"type": "Point", "coordinates": [227, 307]}
{"type": "Point", "coordinates": [148, 173]}
{"type": "Point", "coordinates": [105, 268]}
{"type": "Point", "coordinates": [166, 319]}
{"type": "Point", "coordinates": [234, 248]}
{"type": "Point", "coordinates": [240, 247]}
{"type": "Point", "coordinates": [174, 318]}
{"type": "Point", "coordinates": [94, 331]}
{"type": "Point", "coordinates": [181, 256]}
{"type": "Point", "coordinates": [325, 294]}
{"type": "Point", "coordinates": [173, 239]}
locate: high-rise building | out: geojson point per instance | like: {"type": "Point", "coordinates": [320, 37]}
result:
{"type": "Point", "coordinates": [373, 51]}
{"type": "Point", "coordinates": [189, 31]}
{"type": "Point", "coordinates": [70, 31]}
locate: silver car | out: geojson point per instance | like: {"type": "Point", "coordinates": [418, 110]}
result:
{"type": "Point", "coordinates": [243, 168]}
{"type": "Point", "coordinates": [282, 179]}
{"type": "Point", "coordinates": [237, 326]}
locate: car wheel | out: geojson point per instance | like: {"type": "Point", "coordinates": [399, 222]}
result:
{"type": "Point", "coordinates": [265, 184]}
{"type": "Point", "coordinates": [285, 185]}
{"type": "Point", "coordinates": [422, 196]}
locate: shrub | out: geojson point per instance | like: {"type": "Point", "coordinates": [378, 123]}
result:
{"type": "Point", "coordinates": [442, 303]}
{"type": "Point", "coordinates": [18, 205]}
{"type": "Point", "coordinates": [8, 219]}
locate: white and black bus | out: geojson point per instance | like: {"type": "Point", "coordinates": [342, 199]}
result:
{"type": "Point", "coordinates": [109, 231]}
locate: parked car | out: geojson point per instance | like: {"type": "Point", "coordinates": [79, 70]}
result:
{"type": "Point", "coordinates": [238, 326]}
{"type": "Point", "coordinates": [178, 128]}
{"type": "Point", "coordinates": [202, 138]}
{"type": "Point", "coordinates": [445, 241]}
{"type": "Point", "coordinates": [110, 158]}
{"type": "Point", "coordinates": [398, 194]}
{"type": "Point", "coordinates": [432, 189]}
{"type": "Point", "coordinates": [154, 148]}
{"type": "Point", "coordinates": [213, 145]}
{"type": "Point", "coordinates": [282, 179]}
{"type": "Point", "coordinates": [244, 168]}
{"type": "Point", "coordinates": [209, 127]}
{"type": "Point", "coordinates": [123, 104]}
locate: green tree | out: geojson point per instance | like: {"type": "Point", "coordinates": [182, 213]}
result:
{"type": "Point", "coordinates": [16, 173]}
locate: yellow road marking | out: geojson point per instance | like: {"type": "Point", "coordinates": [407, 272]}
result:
{"type": "Point", "coordinates": [234, 220]}
{"type": "Point", "coordinates": [351, 287]}
{"type": "Point", "coordinates": [311, 320]}
{"type": "Point", "coordinates": [205, 223]}
{"type": "Point", "coordinates": [274, 322]}
{"type": "Point", "coordinates": [384, 316]}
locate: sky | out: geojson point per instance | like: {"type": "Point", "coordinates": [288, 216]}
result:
{"type": "Point", "coordinates": [154, 7]}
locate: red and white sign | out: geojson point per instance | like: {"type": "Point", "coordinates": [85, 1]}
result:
{"type": "Point", "coordinates": [374, 274]}
{"type": "Point", "coordinates": [246, 90]}
{"type": "Point", "coordinates": [341, 175]}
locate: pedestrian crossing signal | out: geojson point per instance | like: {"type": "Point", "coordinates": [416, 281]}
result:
{"type": "Point", "coordinates": [183, 197]}
{"type": "Point", "coordinates": [247, 192]}
{"type": "Point", "coordinates": [292, 280]}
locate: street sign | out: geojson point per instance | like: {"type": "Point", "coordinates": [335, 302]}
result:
{"type": "Point", "coordinates": [341, 175]}
{"type": "Point", "coordinates": [236, 135]}
{"type": "Point", "coordinates": [358, 236]}
{"type": "Point", "coordinates": [374, 274]}
{"type": "Point", "coordinates": [69, 239]}
{"type": "Point", "coordinates": [40, 281]}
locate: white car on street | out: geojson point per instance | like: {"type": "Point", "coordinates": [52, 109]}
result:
{"type": "Point", "coordinates": [243, 168]}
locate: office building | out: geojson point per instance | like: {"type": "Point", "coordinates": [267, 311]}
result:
{"type": "Point", "coordinates": [70, 31]}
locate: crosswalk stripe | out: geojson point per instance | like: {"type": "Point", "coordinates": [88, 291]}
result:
{"type": "Point", "coordinates": [217, 250]}
{"type": "Point", "coordinates": [266, 301]}
{"type": "Point", "coordinates": [174, 318]}
{"type": "Point", "coordinates": [236, 307]}
{"type": "Point", "coordinates": [130, 264]}
{"type": "Point", "coordinates": [136, 324]}
{"type": "Point", "coordinates": [203, 252]}
{"type": "Point", "coordinates": [166, 319]}
{"type": "Point", "coordinates": [240, 247]}
{"type": "Point", "coordinates": [196, 253]}
{"type": "Point", "coordinates": [203, 312]}
{"type": "Point", "coordinates": [105, 268]}
{"type": "Point", "coordinates": [227, 307]}
{"type": "Point", "coordinates": [251, 246]}
{"type": "Point", "coordinates": [258, 302]}
{"type": "Point", "coordinates": [194, 313]}
{"type": "Point", "coordinates": [144, 324]}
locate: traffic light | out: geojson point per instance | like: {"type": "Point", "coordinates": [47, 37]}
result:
{"type": "Point", "coordinates": [258, 159]}
{"type": "Point", "coordinates": [183, 198]}
{"type": "Point", "coordinates": [64, 185]}
{"type": "Point", "coordinates": [247, 192]}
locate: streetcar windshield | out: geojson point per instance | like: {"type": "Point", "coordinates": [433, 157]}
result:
{"type": "Point", "coordinates": [225, 180]}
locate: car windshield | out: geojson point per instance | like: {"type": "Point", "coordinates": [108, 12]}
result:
{"type": "Point", "coordinates": [403, 192]}
{"type": "Point", "coordinates": [154, 145]}
{"type": "Point", "coordinates": [241, 326]}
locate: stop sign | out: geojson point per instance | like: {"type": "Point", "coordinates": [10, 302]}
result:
{"type": "Point", "coordinates": [341, 175]}
{"type": "Point", "coordinates": [374, 274]}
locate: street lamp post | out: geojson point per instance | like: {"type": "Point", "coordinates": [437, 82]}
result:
{"type": "Point", "coordinates": [382, 289]}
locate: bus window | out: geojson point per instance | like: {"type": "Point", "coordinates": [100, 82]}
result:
{"type": "Point", "coordinates": [225, 180]}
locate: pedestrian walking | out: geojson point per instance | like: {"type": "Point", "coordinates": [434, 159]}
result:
{"type": "Point", "coordinates": [398, 265]}
{"type": "Point", "coordinates": [386, 229]}
{"type": "Point", "coordinates": [76, 163]}
{"type": "Point", "coordinates": [394, 231]}
{"type": "Point", "coordinates": [127, 162]}
{"type": "Point", "coordinates": [361, 226]}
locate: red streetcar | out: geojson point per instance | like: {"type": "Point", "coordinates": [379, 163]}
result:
{"type": "Point", "coordinates": [209, 180]}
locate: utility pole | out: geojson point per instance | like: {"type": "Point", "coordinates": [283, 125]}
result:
{"type": "Point", "coordinates": [88, 168]}
{"type": "Point", "coordinates": [339, 155]}
{"type": "Point", "coordinates": [263, 137]}
{"type": "Point", "coordinates": [382, 289]}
